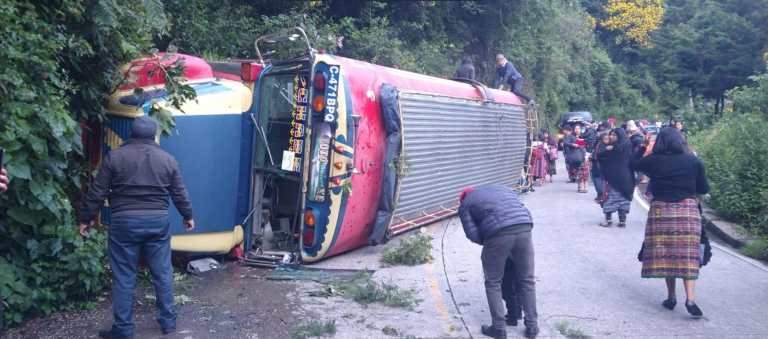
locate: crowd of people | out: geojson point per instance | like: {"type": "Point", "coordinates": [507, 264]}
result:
{"type": "Point", "coordinates": [616, 159]}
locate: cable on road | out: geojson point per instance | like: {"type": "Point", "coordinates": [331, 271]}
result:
{"type": "Point", "coordinates": [448, 281]}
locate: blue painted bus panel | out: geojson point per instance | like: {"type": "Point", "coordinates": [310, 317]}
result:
{"type": "Point", "coordinates": [208, 151]}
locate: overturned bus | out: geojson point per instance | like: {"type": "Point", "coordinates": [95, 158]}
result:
{"type": "Point", "coordinates": [320, 154]}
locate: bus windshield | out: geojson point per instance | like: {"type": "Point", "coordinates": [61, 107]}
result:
{"type": "Point", "coordinates": [282, 119]}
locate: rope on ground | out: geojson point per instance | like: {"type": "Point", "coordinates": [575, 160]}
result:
{"type": "Point", "coordinates": [448, 281]}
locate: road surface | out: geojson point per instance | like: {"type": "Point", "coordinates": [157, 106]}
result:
{"type": "Point", "coordinates": [588, 277]}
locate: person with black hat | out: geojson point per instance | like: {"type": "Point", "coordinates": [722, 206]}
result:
{"type": "Point", "coordinates": [138, 178]}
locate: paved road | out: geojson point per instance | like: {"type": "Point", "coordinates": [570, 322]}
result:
{"type": "Point", "coordinates": [589, 276]}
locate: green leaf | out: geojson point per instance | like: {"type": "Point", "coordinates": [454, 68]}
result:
{"type": "Point", "coordinates": [24, 215]}
{"type": "Point", "coordinates": [19, 169]}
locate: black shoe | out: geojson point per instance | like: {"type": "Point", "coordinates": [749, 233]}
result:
{"type": "Point", "coordinates": [693, 309]}
{"type": "Point", "coordinates": [493, 333]}
{"type": "Point", "coordinates": [669, 304]}
{"type": "Point", "coordinates": [531, 331]}
{"type": "Point", "coordinates": [109, 334]}
{"type": "Point", "coordinates": [622, 224]}
{"type": "Point", "coordinates": [168, 330]}
{"type": "Point", "coordinates": [511, 321]}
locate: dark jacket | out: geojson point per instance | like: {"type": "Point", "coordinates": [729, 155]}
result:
{"type": "Point", "coordinates": [637, 140]}
{"type": "Point", "coordinates": [614, 165]}
{"type": "Point", "coordinates": [674, 177]}
{"type": "Point", "coordinates": [574, 155]}
{"type": "Point", "coordinates": [506, 75]}
{"type": "Point", "coordinates": [465, 71]}
{"type": "Point", "coordinates": [137, 176]}
{"type": "Point", "coordinates": [490, 209]}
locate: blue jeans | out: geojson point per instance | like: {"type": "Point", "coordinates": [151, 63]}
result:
{"type": "Point", "coordinates": [130, 236]}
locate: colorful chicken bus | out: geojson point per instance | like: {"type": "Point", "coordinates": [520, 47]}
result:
{"type": "Point", "coordinates": [334, 152]}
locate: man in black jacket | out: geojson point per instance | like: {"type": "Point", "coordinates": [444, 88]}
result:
{"type": "Point", "coordinates": [138, 178]}
{"type": "Point", "coordinates": [466, 70]}
{"type": "Point", "coordinates": [494, 217]}
{"type": "Point", "coordinates": [507, 75]}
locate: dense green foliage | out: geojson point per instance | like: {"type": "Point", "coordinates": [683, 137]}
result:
{"type": "Point", "coordinates": [60, 58]}
{"type": "Point", "coordinates": [736, 157]}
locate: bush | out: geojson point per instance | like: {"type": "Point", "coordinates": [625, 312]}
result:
{"type": "Point", "coordinates": [414, 250]}
{"type": "Point", "coordinates": [757, 249]}
{"type": "Point", "coordinates": [315, 329]}
{"type": "Point", "coordinates": [736, 159]}
{"type": "Point", "coordinates": [58, 58]}
{"type": "Point", "coordinates": [364, 290]}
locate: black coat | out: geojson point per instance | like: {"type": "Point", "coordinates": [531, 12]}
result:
{"type": "Point", "coordinates": [490, 209]}
{"type": "Point", "coordinates": [614, 165]}
{"type": "Point", "coordinates": [465, 71]}
{"type": "Point", "coordinates": [138, 175]}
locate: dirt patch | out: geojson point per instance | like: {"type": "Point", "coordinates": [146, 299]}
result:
{"type": "Point", "coordinates": [234, 302]}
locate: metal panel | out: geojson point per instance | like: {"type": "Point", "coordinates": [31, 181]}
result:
{"type": "Point", "coordinates": [449, 144]}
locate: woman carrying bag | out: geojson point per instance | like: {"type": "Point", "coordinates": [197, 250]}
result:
{"type": "Point", "coordinates": [673, 232]}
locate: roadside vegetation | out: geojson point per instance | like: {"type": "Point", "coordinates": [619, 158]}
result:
{"type": "Point", "coordinates": [413, 250]}
{"type": "Point", "coordinates": [757, 249]}
{"type": "Point", "coordinates": [364, 290]}
{"type": "Point", "coordinates": [569, 331]}
{"type": "Point", "coordinates": [736, 160]}
{"type": "Point", "coordinates": [315, 329]}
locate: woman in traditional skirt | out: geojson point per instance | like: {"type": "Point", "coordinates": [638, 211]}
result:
{"type": "Point", "coordinates": [575, 157]}
{"type": "Point", "coordinates": [597, 175]}
{"type": "Point", "coordinates": [551, 154]}
{"type": "Point", "coordinates": [619, 181]}
{"type": "Point", "coordinates": [539, 162]}
{"type": "Point", "coordinates": [673, 231]}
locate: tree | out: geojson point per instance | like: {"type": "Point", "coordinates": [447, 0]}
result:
{"type": "Point", "coordinates": [634, 19]}
{"type": "Point", "coordinates": [708, 54]}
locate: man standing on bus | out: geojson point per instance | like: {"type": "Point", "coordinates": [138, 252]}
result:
{"type": "Point", "coordinates": [138, 178]}
{"type": "Point", "coordinates": [494, 217]}
{"type": "Point", "coordinates": [507, 74]}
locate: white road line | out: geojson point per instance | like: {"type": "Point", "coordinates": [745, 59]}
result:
{"type": "Point", "coordinates": [641, 200]}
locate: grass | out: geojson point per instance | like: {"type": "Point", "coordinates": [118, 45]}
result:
{"type": "Point", "coordinates": [314, 329]}
{"type": "Point", "coordinates": [570, 332]}
{"type": "Point", "coordinates": [364, 290]}
{"type": "Point", "coordinates": [757, 249]}
{"type": "Point", "coordinates": [414, 250]}
{"type": "Point", "coordinates": [390, 331]}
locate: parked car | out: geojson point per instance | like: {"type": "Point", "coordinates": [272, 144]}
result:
{"type": "Point", "coordinates": [573, 118]}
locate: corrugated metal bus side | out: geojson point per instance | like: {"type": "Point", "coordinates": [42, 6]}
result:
{"type": "Point", "coordinates": [451, 143]}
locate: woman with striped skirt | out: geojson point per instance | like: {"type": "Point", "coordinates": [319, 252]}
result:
{"type": "Point", "coordinates": [619, 179]}
{"type": "Point", "coordinates": [673, 230]}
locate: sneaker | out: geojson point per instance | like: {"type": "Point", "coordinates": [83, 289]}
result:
{"type": "Point", "coordinates": [110, 334]}
{"type": "Point", "coordinates": [693, 309]}
{"type": "Point", "coordinates": [531, 331]}
{"type": "Point", "coordinates": [669, 304]}
{"type": "Point", "coordinates": [493, 333]}
{"type": "Point", "coordinates": [622, 224]}
{"type": "Point", "coordinates": [168, 330]}
{"type": "Point", "coordinates": [606, 223]}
